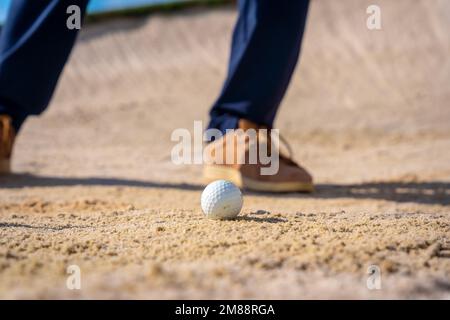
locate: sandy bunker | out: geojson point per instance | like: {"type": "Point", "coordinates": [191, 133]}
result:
{"type": "Point", "coordinates": [367, 112]}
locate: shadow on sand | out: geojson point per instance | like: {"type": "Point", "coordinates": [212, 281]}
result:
{"type": "Point", "coordinates": [435, 192]}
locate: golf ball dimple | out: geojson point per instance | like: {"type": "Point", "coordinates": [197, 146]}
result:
{"type": "Point", "coordinates": [221, 199]}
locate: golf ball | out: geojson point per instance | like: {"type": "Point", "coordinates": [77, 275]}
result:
{"type": "Point", "coordinates": [221, 200]}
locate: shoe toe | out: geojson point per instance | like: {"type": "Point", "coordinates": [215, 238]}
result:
{"type": "Point", "coordinates": [300, 174]}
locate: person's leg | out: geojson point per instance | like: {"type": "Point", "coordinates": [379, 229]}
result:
{"type": "Point", "coordinates": [264, 53]}
{"type": "Point", "coordinates": [35, 44]}
{"type": "Point", "coordinates": [265, 49]}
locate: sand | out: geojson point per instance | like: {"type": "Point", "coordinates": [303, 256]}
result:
{"type": "Point", "coordinates": [367, 112]}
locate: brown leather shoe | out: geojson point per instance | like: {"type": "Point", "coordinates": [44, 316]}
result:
{"type": "Point", "coordinates": [7, 136]}
{"type": "Point", "coordinates": [290, 176]}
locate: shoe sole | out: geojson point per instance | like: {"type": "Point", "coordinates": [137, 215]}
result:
{"type": "Point", "coordinates": [212, 173]}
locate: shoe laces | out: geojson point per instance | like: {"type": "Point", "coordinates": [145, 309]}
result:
{"type": "Point", "coordinates": [280, 141]}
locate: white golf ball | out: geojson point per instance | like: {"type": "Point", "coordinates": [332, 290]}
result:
{"type": "Point", "coordinates": [221, 200]}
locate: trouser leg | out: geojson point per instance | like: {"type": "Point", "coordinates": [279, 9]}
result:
{"type": "Point", "coordinates": [265, 49]}
{"type": "Point", "coordinates": [35, 44]}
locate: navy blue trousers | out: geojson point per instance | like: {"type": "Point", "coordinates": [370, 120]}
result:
{"type": "Point", "coordinates": [35, 45]}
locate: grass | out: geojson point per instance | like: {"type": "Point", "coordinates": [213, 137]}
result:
{"type": "Point", "coordinates": [152, 8]}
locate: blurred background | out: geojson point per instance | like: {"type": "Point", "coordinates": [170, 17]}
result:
{"type": "Point", "coordinates": [377, 99]}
